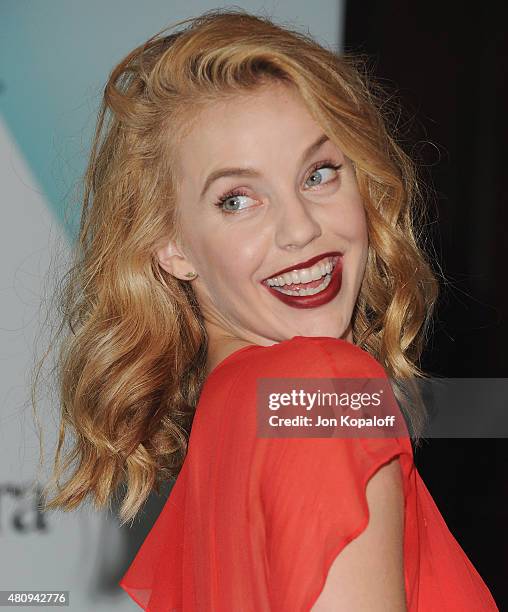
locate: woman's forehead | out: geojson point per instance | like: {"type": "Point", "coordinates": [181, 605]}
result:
{"type": "Point", "coordinates": [244, 123]}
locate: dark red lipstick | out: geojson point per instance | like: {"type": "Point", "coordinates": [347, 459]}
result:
{"type": "Point", "coordinates": [318, 299]}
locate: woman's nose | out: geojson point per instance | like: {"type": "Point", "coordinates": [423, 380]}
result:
{"type": "Point", "coordinates": [296, 225]}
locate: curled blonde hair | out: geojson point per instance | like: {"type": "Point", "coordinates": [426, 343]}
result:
{"type": "Point", "coordinates": [131, 368]}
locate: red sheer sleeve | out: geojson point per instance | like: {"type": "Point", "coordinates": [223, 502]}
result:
{"type": "Point", "coordinates": [313, 489]}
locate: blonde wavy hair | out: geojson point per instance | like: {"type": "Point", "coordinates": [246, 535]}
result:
{"type": "Point", "coordinates": [131, 367]}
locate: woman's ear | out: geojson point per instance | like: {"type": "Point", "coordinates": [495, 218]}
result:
{"type": "Point", "coordinates": [172, 259]}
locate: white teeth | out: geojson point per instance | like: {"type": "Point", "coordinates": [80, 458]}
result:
{"type": "Point", "coordinates": [310, 291]}
{"type": "Point", "coordinates": [305, 275]}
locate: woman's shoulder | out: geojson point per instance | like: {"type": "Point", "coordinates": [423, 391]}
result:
{"type": "Point", "coordinates": [302, 356]}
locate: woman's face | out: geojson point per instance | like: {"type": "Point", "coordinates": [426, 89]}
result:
{"type": "Point", "coordinates": [285, 205]}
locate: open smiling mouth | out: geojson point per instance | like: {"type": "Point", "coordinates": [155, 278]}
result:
{"type": "Point", "coordinates": [308, 287]}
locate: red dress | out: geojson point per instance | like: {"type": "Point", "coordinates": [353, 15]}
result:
{"type": "Point", "coordinates": [253, 524]}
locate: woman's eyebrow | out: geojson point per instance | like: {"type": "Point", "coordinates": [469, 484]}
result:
{"type": "Point", "coordinates": [238, 171]}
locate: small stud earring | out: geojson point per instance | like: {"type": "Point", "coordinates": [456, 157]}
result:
{"type": "Point", "coordinates": [191, 274]}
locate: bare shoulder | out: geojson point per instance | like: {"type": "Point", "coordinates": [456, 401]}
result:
{"type": "Point", "coordinates": [368, 574]}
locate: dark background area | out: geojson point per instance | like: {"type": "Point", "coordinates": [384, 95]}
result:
{"type": "Point", "coordinates": [447, 65]}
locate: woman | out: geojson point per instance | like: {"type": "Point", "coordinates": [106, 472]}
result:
{"type": "Point", "coordinates": [247, 215]}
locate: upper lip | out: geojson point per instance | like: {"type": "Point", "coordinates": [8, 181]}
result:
{"type": "Point", "coordinates": [304, 264]}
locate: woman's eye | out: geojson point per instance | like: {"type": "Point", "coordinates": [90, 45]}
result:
{"type": "Point", "coordinates": [231, 201]}
{"type": "Point", "coordinates": [318, 173]}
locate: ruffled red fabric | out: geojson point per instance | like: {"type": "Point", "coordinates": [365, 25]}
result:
{"type": "Point", "coordinates": [253, 524]}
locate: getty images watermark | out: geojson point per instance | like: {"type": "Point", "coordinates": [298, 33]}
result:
{"type": "Point", "coordinates": [328, 407]}
{"type": "Point", "coordinates": [369, 407]}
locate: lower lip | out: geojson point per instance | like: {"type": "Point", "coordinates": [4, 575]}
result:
{"type": "Point", "coordinates": [318, 299]}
